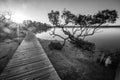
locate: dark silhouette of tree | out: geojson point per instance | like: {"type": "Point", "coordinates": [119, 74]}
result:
{"type": "Point", "coordinates": [35, 26]}
{"type": "Point", "coordinates": [83, 25]}
{"type": "Point", "coordinates": [5, 21]}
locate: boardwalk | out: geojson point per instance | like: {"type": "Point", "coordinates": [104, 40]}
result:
{"type": "Point", "coordinates": [29, 62]}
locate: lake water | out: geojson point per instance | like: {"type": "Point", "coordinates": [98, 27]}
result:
{"type": "Point", "coordinates": [106, 38]}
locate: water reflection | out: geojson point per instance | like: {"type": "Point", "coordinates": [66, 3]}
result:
{"type": "Point", "coordinates": [106, 38]}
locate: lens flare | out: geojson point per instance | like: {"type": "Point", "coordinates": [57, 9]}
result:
{"type": "Point", "coordinates": [18, 17]}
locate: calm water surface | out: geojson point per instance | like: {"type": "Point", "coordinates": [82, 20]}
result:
{"type": "Point", "coordinates": [106, 38]}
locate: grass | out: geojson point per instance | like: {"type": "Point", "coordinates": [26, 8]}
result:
{"type": "Point", "coordinates": [70, 63]}
{"type": "Point", "coordinates": [7, 49]}
{"type": "Point", "coordinates": [73, 64]}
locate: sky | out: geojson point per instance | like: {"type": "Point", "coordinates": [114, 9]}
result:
{"type": "Point", "coordinates": [37, 10]}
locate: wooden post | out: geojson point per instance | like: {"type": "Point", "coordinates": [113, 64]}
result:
{"type": "Point", "coordinates": [18, 33]}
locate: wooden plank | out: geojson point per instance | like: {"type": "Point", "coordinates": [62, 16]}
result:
{"type": "Point", "coordinates": [28, 51]}
{"type": "Point", "coordinates": [42, 74]}
{"type": "Point", "coordinates": [20, 76]}
{"type": "Point", "coordinates": [27, 48]}
{"type": "Point", "coordinates": [19, 62]}
{"type": "Point", "coordinates": [27, 54]}
{"type": "Point", "coordinates": [25, 68]}
{"type": "Point", "coordinates": [29, 62]}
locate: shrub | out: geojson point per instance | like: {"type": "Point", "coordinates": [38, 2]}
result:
{"type": "Point", "coordinates": [115, 58]}
{"type": "Point", "coordinates": [55, 45]}
{"type": "Point", "coordinates": [85, 45]}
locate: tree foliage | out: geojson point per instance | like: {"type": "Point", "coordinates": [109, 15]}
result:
{"type": "Point", "coordinates": [35, 26]}
{"type": "Point", "coordinates": [83, 25]}
{"type": "Point", "coordinates": [6, 32]}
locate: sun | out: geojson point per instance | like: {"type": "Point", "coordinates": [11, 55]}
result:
{"type": "Point", "coordinates": [18, 17]}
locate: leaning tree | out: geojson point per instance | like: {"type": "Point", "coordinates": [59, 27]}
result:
{"type": "Point", "coordinates": [83, 25]}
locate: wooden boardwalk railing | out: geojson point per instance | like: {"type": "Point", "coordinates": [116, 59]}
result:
{"type": "Point", "coordinates": [29, 62]}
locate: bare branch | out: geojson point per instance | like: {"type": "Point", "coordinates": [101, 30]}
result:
{"type": "Point", "coordinates": [87, 24]}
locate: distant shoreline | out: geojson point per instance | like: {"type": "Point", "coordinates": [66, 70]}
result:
{"type": "Point", "coordinates": [93, 26]}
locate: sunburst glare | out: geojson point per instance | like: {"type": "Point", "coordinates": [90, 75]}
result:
{"type": "Point", "coordinates": [18, 17]}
